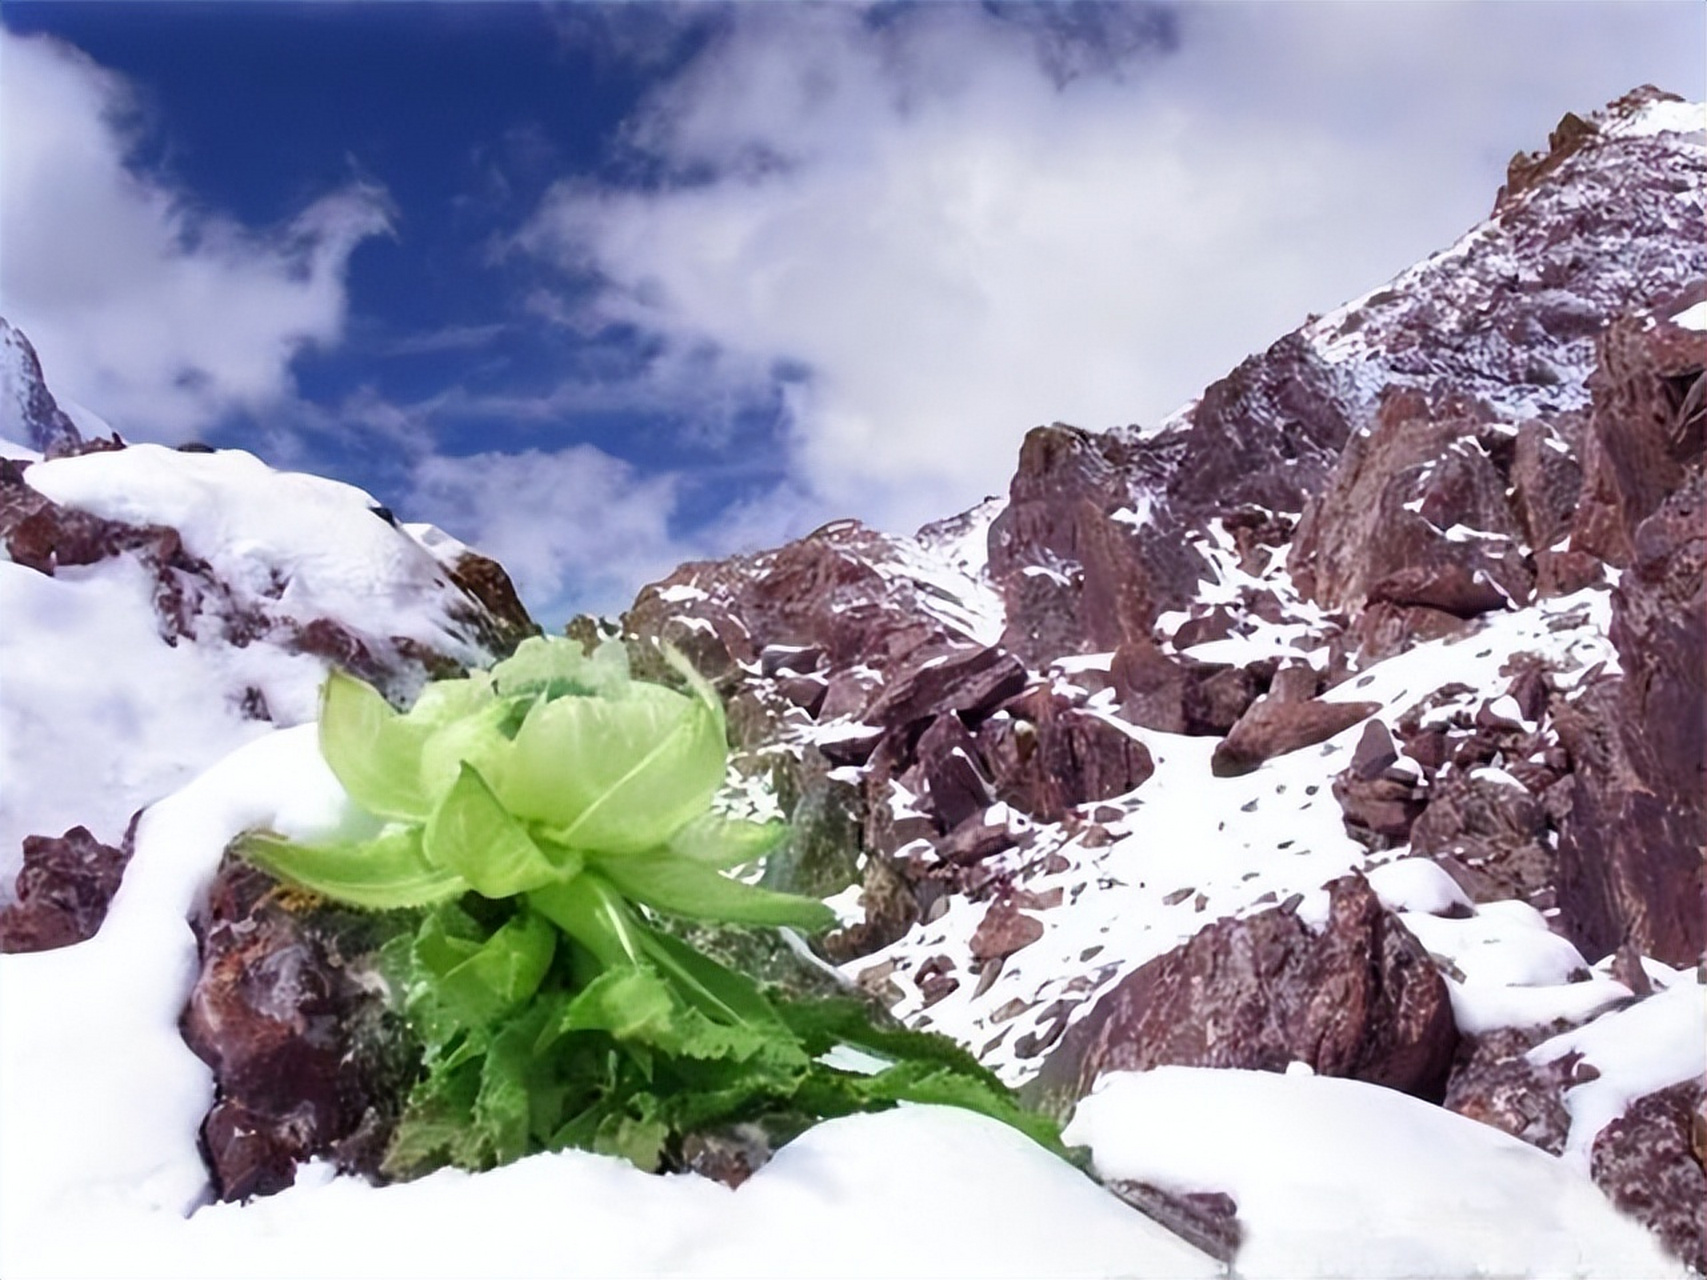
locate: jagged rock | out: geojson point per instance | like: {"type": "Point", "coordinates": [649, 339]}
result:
{"type": "Point", "coordinates": [826, 823]}
{"type": "Point", "coordinates": [1180, 694]}
{"type": "Point", "coordinates": [1379, 799]}
{"type": "Point", "coordinates": [1415, 515]}
{"type": "Point", "coordinates": [968, 681]}
{"type": "Point", "coordinates": [1383, 629]}
{"type": "Point", "coordinates": [1527, 170]}
{"type": "Point", "coordinates": [1075, 575]}
{"type": "Point", "coordinates": [1059, 756]}
{"type": "Point", "coordinates": [1495, 1083]}
{"type": "Point", "coordinates": [1004, 930]}
{"type": "Point", "coordinates": [1639, 439]}
{"type": "Point", "coordinates": [1274, 726]}
{"type": "Point", "coordinates": [1207, 1220]}
{"type": "Point", "coordinates": [1360, 1000]}
{"type": "Point", "coordinates": [1630, 853]}
{"type": "Point", "coordinates": [307, 1060]}
{"type": "Point", "coordinates": [1644, 1163]}
{"type": "Point", "coordinates": [28, 411]}
{"type": "Point", "coordinates": [1491, 835]}
{"type": "Point", "coordinates": [1267, 434]}
{"type": "Point", "coordinates": [955, 785]}
{"type": "Point", "coordinates": [1546, 478]}
{"type": "Point", "coordinates": [63, 890]}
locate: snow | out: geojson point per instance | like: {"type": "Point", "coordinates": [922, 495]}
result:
{"type": "Point", "coordinates": [100, 716]}
{"type": "Point", "coordinates": [1651, 1045]}
{"type": "Point", "coordinates": [99, 1171]}
{"type": "Point", "coordinates": [1694, 318]}
{"type": "Point", "coordinates": [312, 545]}
{"type": "Point", "coordinates": [1340, 1178]}
{"type": "Point", "coordinates": [1417, 884]}
{"type": "Point", "coordinates": [1661, 117]}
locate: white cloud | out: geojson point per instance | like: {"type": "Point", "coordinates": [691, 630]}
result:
{"type": "Point", "coordinates": [576, 529]}
{"type": "Point", "coordinates": [960, 241]}
{"type": "Point", "coordinates": [159, 315]}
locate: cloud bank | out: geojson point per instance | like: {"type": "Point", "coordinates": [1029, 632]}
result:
{"type": "Point", "coordinates": [950, 223]}
{"type": "Point", "coordinates": [161, 316]}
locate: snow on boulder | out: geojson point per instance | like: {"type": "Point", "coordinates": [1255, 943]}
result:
{"type": "Point", "coordinates": [162, 606]}
{"type": "Point", "coordinates": [1337, 1177]}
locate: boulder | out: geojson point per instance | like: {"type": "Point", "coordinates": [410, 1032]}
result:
{"type": "Point", "coordinates": [1640, 439]}
{"type": "Point", "coordinates": [1494, 1082]}
{"type": "Point", "coordinates": [1644, 1163]}
{"type": "Point", "coordinates": [1362, 999]}
{"type": "Point", "coordinates": [1274, 726]}
{"type": "Point", "coordinates": [1415, 514]}
{"type": "Point", "coordinates": [307, 1060]}
{"type": "Point", "coordinates": [1491, 835]}
{"type": "Point", "coordinates": [63, 890]}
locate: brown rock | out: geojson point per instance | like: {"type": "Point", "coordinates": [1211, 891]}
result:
{"type": "Point", "coordinates": [1644, 1163]}
{"type": "Point", "coordinates": [1207, 1220]}
{"type": "Point", "coordinates": [1630, 852]}
{"type": "Point", "coordinates": [1637, 444]}
{"type": "Point", "coordinates": [971, 682]}
{"type": "Point", "coordinates": [305, 1057]}
{"type": "Point", "coordinates": [1546, 479]}
{"type": "Point", "coordinates": [1360, 1000]}
{"type": "Point", "coordinates": [1074, 757]}
{"type": "Point", "coordinates": [1383, 629]}
{"type": "Point", "coordinates": [1495, 1083]}
{"type": "Point", "coordinates": [1273, 727]}
{"type": "Point", "coordinates": [1495, 834]}
{"type": "Point", "coordinates": [63, 889]}
{"type": "Point", "coordinates": [955, 785]}
{"type": "Point", "coordinates": [1003, 931]}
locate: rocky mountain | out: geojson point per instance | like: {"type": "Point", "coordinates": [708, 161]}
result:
{"type": "Point", "coordinates": [1349, 723]}
{"type": "Point", "coordinates": [165, 606]}
{"type": "Point", "coordinates": [1251, 738]}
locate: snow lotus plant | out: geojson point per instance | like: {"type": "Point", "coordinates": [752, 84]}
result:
{"type": "Point", "coordinates": [535, 818]}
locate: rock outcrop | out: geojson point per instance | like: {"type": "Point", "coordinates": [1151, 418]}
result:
{"type": "Point", "coordinates": [1361, 999]}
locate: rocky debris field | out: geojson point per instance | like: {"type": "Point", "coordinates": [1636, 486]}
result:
{"type": "Point", "coordinates": [1349, 724]}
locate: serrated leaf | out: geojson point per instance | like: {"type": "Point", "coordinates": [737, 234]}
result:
{"type": "Point", "coordinates": [630, 1002]}
{"type": "Point", "coordinates": [374, 752]}
{"type": "Point", "coordinates": [501, 972]}
{"type": "Point", "coordinates": [472, 834]}
{"type": "Point", "coordinates": [384, 873]}
{"type": "Point", "coordinates": [719, 992]}
{"type": "Point", "coordinates": [666, 882]}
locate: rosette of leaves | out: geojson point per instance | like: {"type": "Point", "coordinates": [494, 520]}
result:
{"type": "Point", "coordinates": [534, 817]}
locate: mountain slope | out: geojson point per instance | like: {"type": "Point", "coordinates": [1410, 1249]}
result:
{"type": "Point", "coordinates": [1305, 795]}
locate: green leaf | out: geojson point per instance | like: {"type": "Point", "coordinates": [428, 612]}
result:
{"type": "Point", "coordinates": [374, 752]}
{"type": "Point", "coordinates": [668, 883]}
{"type": "Point", "coordinates": [630, 1002]}
{"type": "Point", "coordinates": [472, 834]}
{"type": "Point", "coordinates": [384, 873]}
{"type": "Point", "coordinates": [617, 775]}
{"type": "Point", "coordinates": [555, 667]}
{"type": "Point", "coordinates": [477, 738]}
{"type": "Point", "coordinates": [499, 974]}
{"type": "Point", "coordinates": [715, 841]}
{"type": "Point", "coordinates": [442, 702]}
{"type": "Point", "coordinates": [595, 915]}
{"type": "Point", "coordinates": [721, 993]}
{"type": "Point", "coordinates": [823, 1023]}
{"type": "Point", "coordinates": [942, 1086]}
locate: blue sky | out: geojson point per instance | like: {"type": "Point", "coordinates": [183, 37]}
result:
{"type": "Point", "coordinates": [600, 288]}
